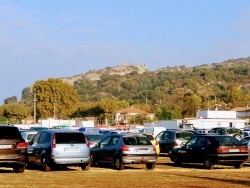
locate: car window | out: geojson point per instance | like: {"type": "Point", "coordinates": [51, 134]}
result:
{"type": "Point", "coordinates": [167, 136]}
{"type": "Point", "coordinates": [44, 138]}
{"type": "Point", "coordinates": [36, 138]}
{"type": "Point", "coordinates": [159, 135]}
{"type": "Point", "coordinates": [69, 137]}
{"type": "Point", "coordinates": [201, 141]}
{"type": "Point", "coordinates": [184, 136]}
{"type": "Point", "coordinates": [9, 133]}
{"type": "Point", "coordinates": [191, 142]}
{"type": "Point", "coordinates": [105, 142]}
{"type": "Point", "coordinates": [222, 141]}
{"type": "Point", "coordinates": [136, 140]}
{"type": "Point", "coordinates": [114, 140]}
{"type": "Point", "coordinates": [244, 141]}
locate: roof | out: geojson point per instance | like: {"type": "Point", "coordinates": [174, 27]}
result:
{"type": "Point", "coordinates": [131, 110]}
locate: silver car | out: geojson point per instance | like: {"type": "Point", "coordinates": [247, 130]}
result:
{"type": "Point", "coordinates": [122, 149]}
{"type": "Point", "coordinates": [53, 148]}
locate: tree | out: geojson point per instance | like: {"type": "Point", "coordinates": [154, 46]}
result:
{"type": "Point", "coordinates": [15, 111]}
{"type": "Point", "coordinates": [9, 100]}
{"type": "Point", "coordinates": [108, 106]}
{"type": "Point", "coordinates": [55, 98]}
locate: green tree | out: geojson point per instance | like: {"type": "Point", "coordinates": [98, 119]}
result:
{"type": "Point", "coordinates": [108, 107]}
{"type": "Point", "coordinates": [16, 112]}
{"type": "Point", "coordinates": [9, 100]}
{"type": "Point", "coordinates": [55, 98]}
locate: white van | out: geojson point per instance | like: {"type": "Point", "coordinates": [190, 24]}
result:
{"type": "Point", "coordinates": [153, 130]}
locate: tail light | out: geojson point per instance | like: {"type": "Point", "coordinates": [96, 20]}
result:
{"type": "Point", "coordinates": [53, 141]}
{"type": "Point", "coordinates": [222, 150]}
{"type": "Point", "coordinates": [175, 144]}
{"type": "Point", "coordinates": [124, 148]}
{"type": "Point", "coordinates": [244, 149]}
{"type": "Point", "coordinates": [154, 149]}
{"type": "Point", "coordinates": [88, 144]}
{"type": "Point", "coordinates": [21, 145]}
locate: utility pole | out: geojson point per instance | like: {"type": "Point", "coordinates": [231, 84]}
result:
{"type": "Point", "coordinates": [34, 93]}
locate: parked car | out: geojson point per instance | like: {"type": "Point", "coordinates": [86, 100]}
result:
{"type": "Point", "coordinates": [246, 142]}
{"type": "Point", "coordinates": [171, 139]}
{"type": "Point", "coordinates": [28, 135]}
{"type": "Point", "coordinates": [53, 148]}
{"type": "Point", "coordinates": [237, 133]}
{"type": "Point", "coordinates": [211, 150]}
{"type": "Point", "coordinates": [119, 149]}
{"type": "Point", "coordinates": [93, 138]}
{"type": "Point", "coordinates": [13, 148]}
{"type": "Point", "coordinates": [37, 128]}
{"type": "Point", "coordinates": [89, 130]}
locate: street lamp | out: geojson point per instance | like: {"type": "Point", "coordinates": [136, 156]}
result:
{"type": "Point", "coordinates": [34, 95]}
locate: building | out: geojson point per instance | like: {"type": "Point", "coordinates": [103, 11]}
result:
{"type": "Point", "coordinates": [128, 114]}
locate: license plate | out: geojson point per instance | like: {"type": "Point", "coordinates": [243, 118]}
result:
{"type": "Point", "coordinates": [141, 149]}
{"type": "Point", "coordinates": [5, 146]}
{"type": "Point", "coordinates": [73, 149]}
{"type": "Point", "coordinates": [234, 150]}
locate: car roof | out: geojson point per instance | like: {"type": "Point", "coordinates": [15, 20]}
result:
{"type": "Point", "coordinates": [60, 130]}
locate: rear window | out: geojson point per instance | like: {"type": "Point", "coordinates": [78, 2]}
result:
{"type": "Point", "coordinates": [66, 138]}
{"type": "Point", "coordinates": [223, 141]}
{"type": "Point", "coordinates": [137, 140]}
{"type": "Point", "coordinates": [9, 133]}
{"type": "Point", "coordinates": [184, 135]}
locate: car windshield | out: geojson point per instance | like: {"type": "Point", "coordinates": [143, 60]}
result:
{"type": "Point", "coordinates": [95, 137]}
{"type": "Point", "coordinates": [139, 140]}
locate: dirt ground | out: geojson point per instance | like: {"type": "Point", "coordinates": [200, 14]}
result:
{"type": "Point", "coordinates": [164, 175]}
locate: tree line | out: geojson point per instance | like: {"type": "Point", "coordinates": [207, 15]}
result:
{"type": "Point", "coordinates": [170, 93]}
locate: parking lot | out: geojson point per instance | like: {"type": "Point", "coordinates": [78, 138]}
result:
{"type": "Point", "coordinates": [164, 175]}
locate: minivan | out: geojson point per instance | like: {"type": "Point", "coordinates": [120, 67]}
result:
{"type": "Point", "coordinates": [52, 148]}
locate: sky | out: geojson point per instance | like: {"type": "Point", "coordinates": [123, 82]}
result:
{"type": "Point", "coordinates": [61, 38]}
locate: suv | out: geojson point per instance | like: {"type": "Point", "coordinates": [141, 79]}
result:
{"type": "Point", "coordinates": [52, 148]}
{"type": "Point", "coordinates": [237, 133]}
{"type": "Point", "coordinates": [171, 139]}
{"type": "Point", "coordinates": [119, 149]}
{"type": "Point", "coordinates": [13, 148]}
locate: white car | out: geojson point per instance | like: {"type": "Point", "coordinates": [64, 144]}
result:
{"type": "Point", "coordinates": [28, 135]}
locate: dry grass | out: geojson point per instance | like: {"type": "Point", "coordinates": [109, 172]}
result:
{"type": "Point", "coordinates": [164, 175]}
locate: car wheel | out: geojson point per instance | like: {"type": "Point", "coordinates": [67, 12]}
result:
{"type": "Point", "coordinates": [238, 165]}
{"type": "Point", "coordinates": [237, 136]}
{"type": "Point", "coordinates": [44, 164]}
{"type": "Point", "coordinates": [19, 168]}
{"type": "Point", "coordinates": [118, 163]}
{"type": "Point", "coordinates": [85, 167]}
{"type": "Point", "coordinates": [177, 160]}
{"type": "Point", "coordinates": [208, 164]}
{"type": "Point", "coordinates": [150, 165]}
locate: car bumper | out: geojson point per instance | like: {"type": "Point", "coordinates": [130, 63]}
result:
{"type": "Point", "coordinates": [229, 158]}
{"type": "Point", "coordinates": [70, 161]}
{"type": "Point", "coordinates": [137, 159]}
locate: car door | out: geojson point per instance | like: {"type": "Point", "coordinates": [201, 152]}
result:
{"type": "Point", "coordinates": [165, 140]}
{"type": "Point", "coordinates": [187, 151]}
{"type": "Point", "coordinates": [98, 152]}
{"type": "Point", "coordinates": [32, 148]}
{"type": "Point", "coordinates": [111, 148]}
{"type": "Point", "coordinates": [198, 150]}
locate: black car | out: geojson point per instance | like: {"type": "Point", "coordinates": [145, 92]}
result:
{"type": "Point", "coordinates": [171, 139]}
{"type": "Point", "coordinates": [13, 148]}
{"type": "Point", "coordinates": [211, 150]}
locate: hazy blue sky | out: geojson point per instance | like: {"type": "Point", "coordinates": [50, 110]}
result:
{"type": "Point", "coordinates": [60, 38]}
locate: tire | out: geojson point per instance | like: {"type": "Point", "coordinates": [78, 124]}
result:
{"type": "Point", "coordinates": [237, 136]}
{"type": "Point", "coordinates": [118, 163]}
{"type": "Point", "coordinates": [177, 160]}
{"type": "Point", "coordinates": [150, 166]}
{"type": "Point", "coordinates": [208, 164]}
{"type": "Point", "coordinates": [85, 167]}
{"type": "Point", "coordinates": [19, 168]}
{"type": "Point", "coordinates": [44, 164]}
{"type": "Point", "coordinates": [238, 165]}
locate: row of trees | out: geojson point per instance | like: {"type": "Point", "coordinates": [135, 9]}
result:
{"type": "Point", "coordinates": [170, 93]}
